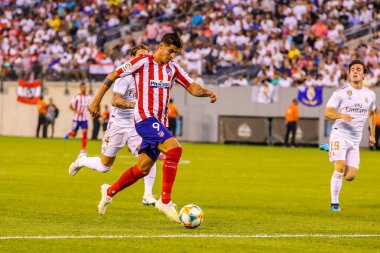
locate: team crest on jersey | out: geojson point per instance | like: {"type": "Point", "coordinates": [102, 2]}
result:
{"type": "Point", "coordinates": [107, 140]}
{"type": "Point", "coordinates": [169, 71]}
{"type": "Point", "coordinates": [160, 84]}
{"type": "Point", "coordinates": [349, 93]}
{"type": "Point", "coordinates": [161, 133]}
{"type": "Point", "coordinates": [126, 66]}
{"type": "Point", "coordinates": [366, 100]}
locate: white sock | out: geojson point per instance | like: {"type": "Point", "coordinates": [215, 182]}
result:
{"type": "Point", "coordinates": [335, 186]}
{"type": "Point", "coordinates": [149, 180]}
{"type": "Point", "coordinates": [93, 163]}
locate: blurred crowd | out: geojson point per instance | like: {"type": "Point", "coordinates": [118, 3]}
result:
{"type": "Point", "coordinates": [290, 42]}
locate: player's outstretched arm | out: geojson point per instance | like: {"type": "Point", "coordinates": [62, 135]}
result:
{"type": "Point", "coordinates": [94, 107]}
{"type": "Point", "coordinates": [372, 127]}
{"type": "Point", "coordinates": [330, 113]}
{"type": "Point", "coordinates": [119, 102]}
{"type": "Point", "coordinates": [197, 91]}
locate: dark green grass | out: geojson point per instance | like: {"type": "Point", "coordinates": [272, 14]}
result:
{"type": "Point", "coordinates": [244, 190]}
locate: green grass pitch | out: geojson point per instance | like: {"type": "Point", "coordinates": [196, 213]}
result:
{"type": "Point", "coordinates": [242, 190]}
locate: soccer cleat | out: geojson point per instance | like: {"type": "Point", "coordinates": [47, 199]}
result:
{"type": "Point", "coordinates": [83, 151]}
{"type": "Point", "coordinates": [335, 207]}
{"type": "Point", "coordinates": [324, 147]}
{"type": "Point", "coordinates": [75, 166]}
{"type": "Point", "coordinates": [105, 199]}
{"type": "Point", "coordinates": [148, 200]}
{"type": "Point", "coordinates": [168, 209]}
{"type": "Point", "coordinates": [66, 137]}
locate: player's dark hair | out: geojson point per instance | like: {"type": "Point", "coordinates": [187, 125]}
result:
{"type": "Point", "coordinates": [357, 62]}
{"type": "Point", "coordinates": [137, 48]}
{"type": "Point", "coordinates": [172, 39]}
{"type": "Point", "coordinates": [82, 83]}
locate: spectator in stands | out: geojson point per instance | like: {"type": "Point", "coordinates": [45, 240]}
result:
{"type": "Point", "coordinates": [232, 33]}
{"type": "Point", "coordinates": [320, 29]}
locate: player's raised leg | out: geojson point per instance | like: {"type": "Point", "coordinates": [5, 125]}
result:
{"type": "Point", "coordinates": [102, 164]}
{"type": "Point", "coordinates": [129, 177]}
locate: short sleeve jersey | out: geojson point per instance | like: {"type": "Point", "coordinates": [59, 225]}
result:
{"type": "Point", "coordinates": [126, 87]}
{"type": "Point", "coordinates": [80, 102]}
{"type": "Point", "coordinates": [153, 83]}
{"type": "Point", "coordinates": [357, 103]}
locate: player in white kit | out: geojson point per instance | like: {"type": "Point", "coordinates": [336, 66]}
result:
{"type": "Point", "coordinates": [120, 132]}
{"type": "Point", "coordinates": [350, 107]}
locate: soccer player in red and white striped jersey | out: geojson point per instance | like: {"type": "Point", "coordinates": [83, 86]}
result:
{"type": "Point", "coordinates": [78, 105]}
{"type": "Point", "coordinates": [154, 77]}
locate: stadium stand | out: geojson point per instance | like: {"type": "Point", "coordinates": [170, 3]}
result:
{"type": "Point", "coordinates": [309, 42]}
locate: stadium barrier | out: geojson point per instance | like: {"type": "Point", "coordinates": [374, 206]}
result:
{"type": "Point", "coordinates": [201, 120]}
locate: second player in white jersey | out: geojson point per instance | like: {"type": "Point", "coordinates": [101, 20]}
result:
{"type": "Point", "coordinates": [355, 102]}
{"type": "Point", "coordinates": [350, 107]}
{"type": "Point", "coordinates": [120, 132]}
{"type": "Point", "coordinates": [120, 116]}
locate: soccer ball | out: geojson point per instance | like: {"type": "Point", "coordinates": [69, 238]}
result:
{"type": "Point", "coordinates": [191, 216]}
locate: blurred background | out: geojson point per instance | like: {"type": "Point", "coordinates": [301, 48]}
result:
{"type": "Point", "coordinates": [257, 55]}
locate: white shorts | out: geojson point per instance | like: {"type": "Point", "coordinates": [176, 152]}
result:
{"type": "Point", "coordinates": [116, 137]}
{"type": "Point", "coordinates": [342, 149]}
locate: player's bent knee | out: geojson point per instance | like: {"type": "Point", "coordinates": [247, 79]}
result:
{"type": "Point", "coordinates": [349, 178]}
{"type": "Point", "coordinates": [339, 166]}
{"type": "Point", "coordinates": [174, 154]}
{"type": "Point", "coordinates": [144, 169]}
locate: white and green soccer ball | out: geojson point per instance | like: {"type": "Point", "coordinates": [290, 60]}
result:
{"type": "Point", "coordinates": [191, 216]}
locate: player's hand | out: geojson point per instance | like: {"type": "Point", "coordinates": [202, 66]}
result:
{"type": "Point", "coordinates": [372, 141]}
{"type": "Point", "coordinates": [94, 109]}
{"type": "Point", "coordinates": [346, 117]}
{"type": "Point", "coordinates": [212, 95]}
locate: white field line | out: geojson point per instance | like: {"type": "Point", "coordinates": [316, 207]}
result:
{"type": "Point", "coordinates": [190, 236]}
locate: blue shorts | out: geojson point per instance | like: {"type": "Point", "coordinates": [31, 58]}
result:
{"type": "Point", "coordinates": [152, 133]}
{"type": "Point", "coordinates": [79, 124]}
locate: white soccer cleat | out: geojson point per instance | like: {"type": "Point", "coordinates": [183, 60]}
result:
{"type": "Point", "coordinates": [75, 166]}
{"type": "Point", "coordinates": [105, 199]}
{"type": "Point", "coordinates": [168, 209]}
{"type": "Point", "coordinates": [148, 200]}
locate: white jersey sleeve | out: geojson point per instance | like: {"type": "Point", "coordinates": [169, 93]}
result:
{"type": "Point", "coordinates": [126, 87]}
{"type": "Point", "coordinates": [121, 85]}
{"type": "Point", "coordinates": [335, 100]}
{"type": "Point", "coordinates": [354, 102]}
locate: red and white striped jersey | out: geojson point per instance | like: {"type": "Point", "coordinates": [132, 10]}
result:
{"type": "Point", "coordinates": [153, 83]}
{"type": "Point", "coordinates": [80, 103]}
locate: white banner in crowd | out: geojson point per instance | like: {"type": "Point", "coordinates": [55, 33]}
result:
{"type": "Point", "coordinates": [265, 93]}
{"type": "Point", "coordinates": [28, 92]}
{"type": "Point", "coordinates": [101, 68]}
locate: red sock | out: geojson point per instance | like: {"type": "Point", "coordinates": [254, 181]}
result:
{"type": "Point", "coordinates": [128, 178]}
{"type": "Point", "coordinates": [72, 134]}
{"type": "Point", "coordinates": [169, 172]}
{"type": "Point", "coordinates": [84, 140]}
